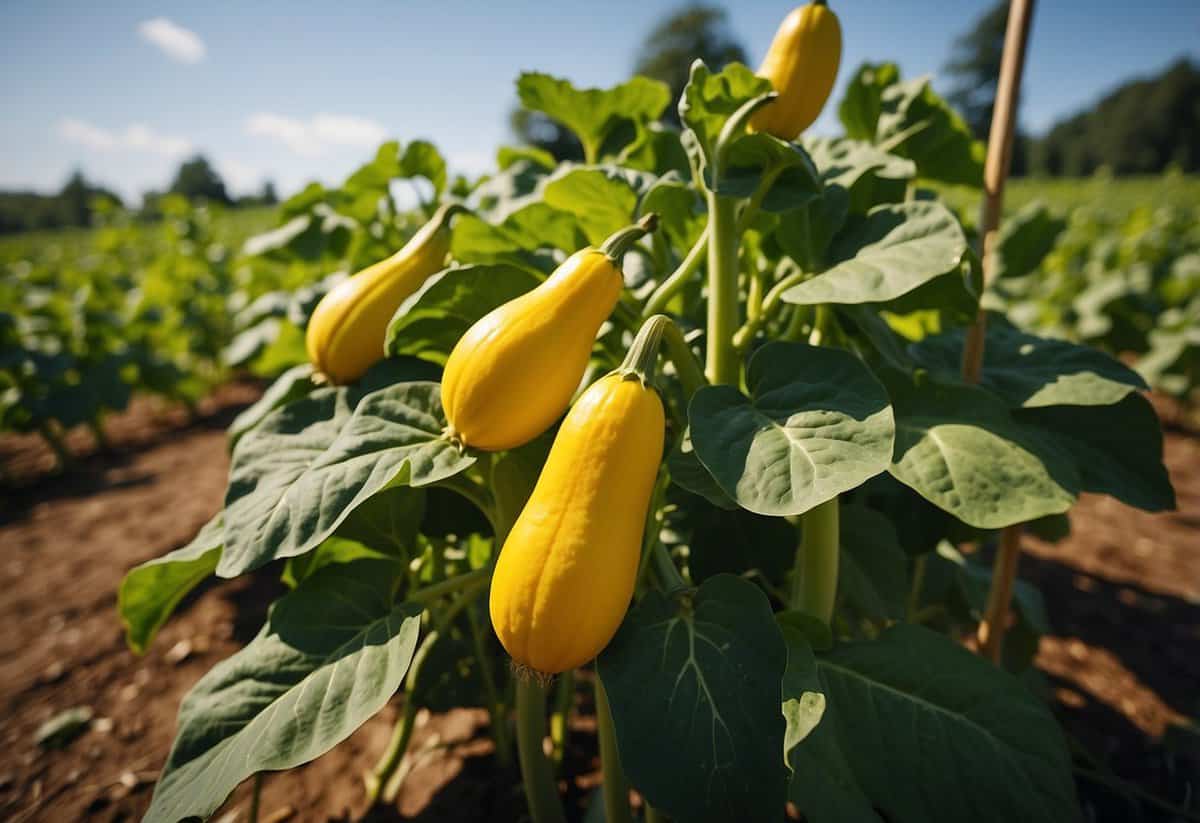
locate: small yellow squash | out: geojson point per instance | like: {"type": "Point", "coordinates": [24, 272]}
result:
{"type": "Point", "coordinates": [346, 331]}
{"type": "Point", "coordinates": [566, 573]}
{"type": "Point", "coordinates": [802, 64]}
{"type": "Point", "coordinates": [514, 372]}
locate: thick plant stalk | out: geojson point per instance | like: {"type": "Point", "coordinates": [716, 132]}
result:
{"type": "Point", "coordinates": [999, 157]}
{"type": "Point", "coordinates": [814, 579]}
{"type": "Point", "coordinates": [616, 790]}
{"type": "Point", "coordinates": [536, 772]}
{"type": "Point", "coordinates": [721, 364]}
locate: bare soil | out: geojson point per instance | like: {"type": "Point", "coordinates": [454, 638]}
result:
{"type": "Point", "coordinates": [1123, 660]}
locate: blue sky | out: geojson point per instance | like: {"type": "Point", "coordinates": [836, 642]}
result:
{"type": "Point", "coordinates": [304, 90]}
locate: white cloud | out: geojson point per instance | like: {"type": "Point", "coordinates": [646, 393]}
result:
{"type": "Point", "coordinates": [313, 137]}
{"type": "Point", "coordinates": [176, 42]}
{"type": "Point", "coordinates": [137, 137]}
{"type": "Point", "coordinates": [241, 178]}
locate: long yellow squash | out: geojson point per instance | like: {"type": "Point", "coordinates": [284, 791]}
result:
{"type": "Point", "coordinates": [566, 573]}
{"type": "Point", "coordinates": [513, 373]}
{"type": "Point", "coordinates": [802, 64]}
{"type": "Point", "coordinates": [346, 332]}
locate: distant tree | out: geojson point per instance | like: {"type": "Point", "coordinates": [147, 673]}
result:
{"type": "Point", "coordinates": [198, 180]}
{"type": "Point", "coordinates": [268, 196]}
{"type": "Point", "coordinates": [73, 205]}
{"type": "Point", "coordinates": [673, 45]}
{"type": "Point", "coordinates": [1142, 127]}
{"type": "Point", "coordinates": [975, 66]}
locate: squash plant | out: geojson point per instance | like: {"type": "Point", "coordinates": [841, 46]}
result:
{"type": "Point", "coordinates": [803, 584]}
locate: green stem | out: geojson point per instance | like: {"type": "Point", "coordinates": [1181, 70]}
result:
{"type": "Point", "coordinates": [471, 580]}
{"type": "Point", "coordinates": [687, 368]}
{"type": "Point", "coordinates": [651, 815]}
{"type": "Point", "coordinates": [620, 241]}
{"type": "Point", "coordinates": [651, 532]}
{"type": "Point", "coordinates": [814, 580]}
{"type": "Point", "coordinates": [679, 278]}
{"type": "Point", "coordinates": [255, 798]}
{"type": "Point", "coordinates": [475, 493]}
{"type": "Point", "coordinates": [770, 303]}
{"type": "Point", "coordinates": [643, 351]}
{"type": "Point", "coordinates": [918, 583]}
{"type": "Point", "coordinates": [397, 746]}
{"type": "Point", "coordinates": [56, 443]}
{"type": "Point", "coordinates": [750, 210]}
{"type": "Point", "coordinates": [822, 318]}
{"type": "Point", "coordinates": [564, 695]}
{"type": "Point", "coordinates": [541, 792]}
{"type": "Point", "coordinates": [497, 710]}
{"type": "Point", "coordinates": [96, 424]}
{"type": "Point", "coordinates": [616, 790]}
{"type": "Point", "coordinates": [668, 575]}
{"type": "Point", "coordinates": [722, 360]}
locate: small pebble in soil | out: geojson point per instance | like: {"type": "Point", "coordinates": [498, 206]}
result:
{"type": "Point", "coordinates": [179, 652]}
{"type": "Point", "coordinates": [103, 725]}
{"type": "Point", "coordinates": [54, 672]}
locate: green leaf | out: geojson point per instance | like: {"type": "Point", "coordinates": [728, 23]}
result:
{"type": "Point", "coordinates": [959, 448]}
{"type": "Point", "coordinates": [593, 114]}
{"type": "Point", "coordinates": [950, 737]}
{"type": "Point", "coordinates": [150, 592]}
{"type": "Point", "coordinates": [298, 475]}
{"type": "Point", "coordinates": [886, 254]}
{"type": "Point", "coordinates": [680, 209]}
{"type": "Point", "coordinates": [689, 473]}
{"type": "Point", "coordinates": [1031, 371]}
{"type": "Point", "coordinates": [293, 384]}
{"type": "Point", "coordinates": [431, 321]}
{"type": "Point", "coordinates": [694, 690]}
{"type": "Point", "coordinates": [1118, 449]}
{"type": "Point", "coordinates": [329, 657]}
{"type": "Point", "coordinates": [861, 168]}
{"type": "Point", "coordinates": [806, 233]}
{"type": "Point", "coordinates": [707, 102]}
{"type": "Point", "coordinates": [803, 702]}
{"type": "Point", "coordinates": [754, 155]}
{"type": "Point", "coordinates": [1025, 239]}
{"type": "Point", "coordinates": [507, 155]}
{"type": "Point", "coordinates": [860, 108]}
{"type": "Point", "coordinates": [873, 572]}
{"type": "Point", "coordinates": [918, 124]}
{"type": "Point", "coordinates": [817, 424]}
{"type": "Point", "coordinates": [602, 198]}
{"type": "Point", "coordinates": [422, 159]}
{"type": "Point", "coordinates": [739, 541]}
{"type": "Point", "coordinates": [387, 522]}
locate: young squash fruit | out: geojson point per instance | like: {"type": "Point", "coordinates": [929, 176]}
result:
{"type": "Point", "coordinates": [346, 332]}
{"type": "Point", "coordinates": [802, 64]}
{"type": "Point", "coordinates": [513, 373]}
{"type": "Point", "coordinates": [566, 572]}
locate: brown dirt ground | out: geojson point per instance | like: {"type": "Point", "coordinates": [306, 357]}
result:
{"type": "Point", "coordinates": [1123, 662]}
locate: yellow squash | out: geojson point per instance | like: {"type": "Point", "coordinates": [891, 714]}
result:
{"type": "Point", "coordinates": [566, 574]}
{"type": "Point", "coordinates": [513, 373]}
{"type": "Point", "coordinates": [801, 64]}
{"type": "Point", "coordinates": [346, 331]}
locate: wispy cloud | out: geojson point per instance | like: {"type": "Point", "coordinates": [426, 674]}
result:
{"type": "Point", "coordinates": [176, 42]}
{"type": "Point", "coordinates": [241, 178]}
{"type": "Point", "coordinates": [313, 137]}
{"type": "Point", "coordinates": [136, 137]}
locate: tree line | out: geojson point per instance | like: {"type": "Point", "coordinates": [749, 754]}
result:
{"type": "Point", "coordinates": [75, 204]}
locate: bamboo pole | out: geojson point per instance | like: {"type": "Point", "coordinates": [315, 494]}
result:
{"type": "Point", "coordinates": [995, 173]}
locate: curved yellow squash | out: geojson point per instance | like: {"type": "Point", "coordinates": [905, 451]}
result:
{"type": "Point", "coordinates": [566, 574]}
{"type": "Point", "coordinates": [346, 332]}
{"type": "Point", "coordinates": [802, 64]}
{"type": "Point", "coordinates": [514, 372]}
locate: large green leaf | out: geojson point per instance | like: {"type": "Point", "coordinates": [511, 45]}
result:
{"type": "Point", "coordinates": [329, 657]}
{"type": "Point", "coordinates": [754, 155]}
{"type": "Point", "coordinates": [860, 109]}
{"type": "Point", "coordinates": [1118, 449]}
{"type": "Point", "coordinates": [298, 475]}
{"type": "Point", "coordinates": [430, 322]}
{"type": "Point", "coordinates": [916, 123]}
{"type": "Point", "coordinates": [694, 689]}
{"type": "Point", "coordinates": [1030, 371]}
{"type": "Point", "coordinates": [846, 162]}
{"type": "Point", "coordinates": [593, 114]}
{"type": "Point", "coordinates": [920, 729]}
{"type": "Point", "coordinates": [873, 571]}
{"type": "Point", "coordinates": [707, 102]}
{"type": "Point", "coordinates": [817, 424]}
{"type": "Point", "coordinates": [293, 384]}
{"type": "Point", "coordinates": [1025, 240]}
{"type": "Point", "coordinates": [150, 592]}
{"type": "Point", "coordinates": [602, 198]}
{"type": "Point", "coordinates": [886, 254]}
{"type": "Point", "coordinates": [959, 448]}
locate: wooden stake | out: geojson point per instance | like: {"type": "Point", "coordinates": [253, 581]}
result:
{"type": "Point", "coordinates": [995, 173]}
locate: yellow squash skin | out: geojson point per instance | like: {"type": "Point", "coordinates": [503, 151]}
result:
{"type": "Point", "coordinates": [513, 373]}
{"type": "Point", "coordinates": [802, 64]}
{"type": "Point", "coordinates": [566, 574]}
{"type": "Point", "coordinates": [346, 332]}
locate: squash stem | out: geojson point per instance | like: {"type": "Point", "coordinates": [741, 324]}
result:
{"type": "Point", "coordinates": [770, 304]}
{"type": "Point", "coordinates": [541, 792]}
{"type": "Point", "coordinates": [620, 241]}
{"type": "Point", "coordinates": [497, 709]}
{"type": "Point", "coordinates": [814, 579]}
{"type": "Point", "coordinates": [679, 278]}
{"type": "Point", "coordinates": [668, 574]}
{"type": "Point", "coordinates": [615, 788]}
{"type": "Point", "coordinates": [687, 368]}
{"type": "Point", "coordinates": [564, 696]}
{"type": "Point", "coordinates": [722, 357]}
